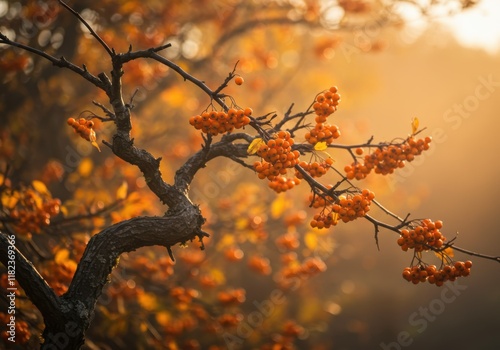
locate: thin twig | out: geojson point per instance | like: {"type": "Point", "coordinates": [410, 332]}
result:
{"type": "Point", "coordinates": [91, 30]}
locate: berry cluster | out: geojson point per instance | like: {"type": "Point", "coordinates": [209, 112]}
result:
{"type": "Point", "coordinates": [323, 132]}
{"type": "Point", "coordinates": [215, 122]}
{"type": "Point", "coordinates": [183, 296]}
{"type": "Point", "coordinates": [310, 267]}
{"type": "Point", "coordinates": [233, 253]}
{"type": "Point", "coordinates": [321, 201]}
{"type": "Point", "coordinates": [422, 237]}
{"type": "Point", "coordinates": [287, 241]}
{"type": "Point", "coordinates": [325, 219]}
{"type": "Point", "coordinates": [384, 160]}
{"type": "Point", "coordinates": [232, 296]}
{"type": "Point", "coordinates": [431, 274]}
{"type": "Point", "coordinates": [83, 127]}
{"type": "Point", "coordinates": [277, 157]}
{"type": "Point", "coordinates": [346, 208]}
{"type": "Point", "coordinates": [352, 207]}
{"type": "Point", "coordinates": [326, 103]}
{"type": "Point", "coordinates": [282, 183]}
{"type": "Point", "coordinates": [34, 213]}
{"type": "Point", "coordinates": [315, 169]}
{"type": "Point", "coordinates": [260, 264]}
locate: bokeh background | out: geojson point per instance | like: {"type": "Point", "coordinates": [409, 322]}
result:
{"type": "Point", "coordinates": [440, 65]}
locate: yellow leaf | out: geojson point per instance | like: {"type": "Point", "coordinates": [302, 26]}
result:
{"type": "Point", "coordinates": [311, 240]}
{"type": "Point", "coordinates": [40, 187]}
{"type": "Point", "coordinates": [278, 206]}
{"type": "Point", "coordinates": [61, 256]}
{"type": "Point", "coordinates": [218, 276]}
{"type": "Point", "coordinates": [227, 240]}
{"type": "Point", "coordinates": [121, 192]}
{"type": "Point", "coordinates": [147, 301]}
{"type": "Point", "coordinates": [255, 145]}
{"type": "Point", "coordinates": [96, 145]}
{"type": "Point", "coordinates": [241, 223]}
{"type": "Point", "coordinates": [85, 167]}
{"type": "Point", "coordinates": [10, 200]}
{"type": "Point", "coordinates": [320, 146]}
{"type": "Point", "coordinates": [93, 139]}
{"type": "Point", "coordinates": [64, 210]}
{"type": "Point", "coordinates": [414, 125]}
{"type": "Point", "coordinates": [448, 251]}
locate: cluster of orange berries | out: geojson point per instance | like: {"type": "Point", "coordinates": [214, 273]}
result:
{"type": "Point", "coordinates": [285, 339]}
{"type": "Point", "coordinates": [287, 241]}
{"type": "Point", "coordinates": [425, 236]}
{"type": "Point", "coordinates": [431, 274]}
{"type": "Point", "coordinates": [34, 214]}
{"type": "Point", "coordinates": [346, 208]}
{"type": "Point", "coordinates": [283, 183]}
{"type": "Point", "coordinates": [83, 127]}
{"type": "Point", "coordinates": [219, 122]}
{"type": "Point", "coordinates": [384, 160]}
{"type": "Point", "coordinates": [315, 169]}
{"type": "Point", "coordinates": [310, 267]}
{"type": "Point", "coordinates": [326, 103]}
{"type": "Point", "coordinates": [234, 253]}
{"type": "Point", "coordinates": [277, 157]}
{"type": "Point", "coordinates": [260, 264]}
{"type": "Point", "coordinates": [183, 296]}
{"type": "Point", "coordinates": [232, 296]}
{"type": "Point", "coordinates": [322, 132]}
{"type": "Point", "coordinates": [229, 320]}
{"type": "Point", "coordinates": [352, 207]}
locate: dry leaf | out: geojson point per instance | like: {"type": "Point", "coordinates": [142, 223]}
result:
{"type": "Point", "coordinates": [255, 145]}
{"type": "Point", "coordinates": [320, 146]}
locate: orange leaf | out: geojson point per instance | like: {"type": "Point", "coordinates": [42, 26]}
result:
{"type": "Point", "coordinates": [121, 192]}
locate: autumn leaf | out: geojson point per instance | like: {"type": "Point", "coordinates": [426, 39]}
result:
{"type": "Point", "coordinates": [10, 200]}
{"type": "Point", "coordinates": [414, 125]}
{"type": "Point", "coordinates": [218, 275]}
{"type": "Point", "coordinates": [448, 251]}
{"type": "Point", "coordinates": [311, 240]}
{"type": "Point", "coordinates": [320, 146]}
{"type": "Point", "coordinates": [61, 256]}
{"type": "Point", "coordinates": [85, 167]}
{"type": "Point", "coordinates": [278, 206]}
{"type": "Point", "coordinates": [40, 187]}
{"type": "Point", "coordinates": [121, 192]}
{"type": "Point", "coordinates": [93, 139]}
{"type": "Point", "coordinates": [255, 145]}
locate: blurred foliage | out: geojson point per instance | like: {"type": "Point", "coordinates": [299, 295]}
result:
{"type": "Point", "coordinates": [256, 284]}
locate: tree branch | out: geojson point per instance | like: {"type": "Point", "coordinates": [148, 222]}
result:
{"type": "Point", "coordinates": [91, 30]}
{"type": "Point", "coordinates": [225, 148]}
{"type": "Point", "coordinates": [104, 249]}
{"type": "Point", "coordinates": [58, 62]}
{"type": "Point", "coordinates": [33, 284]}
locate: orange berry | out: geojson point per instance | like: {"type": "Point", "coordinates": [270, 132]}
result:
{"type": "Point", "coordinates": [239, 80]}
{"type": "Point", "coordinates": [248, 111]}
{"type": "Point", "coordinates": [71, 121]}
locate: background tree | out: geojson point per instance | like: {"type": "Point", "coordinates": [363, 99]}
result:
{"type": "Point", "coordinates": [102, 194]}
